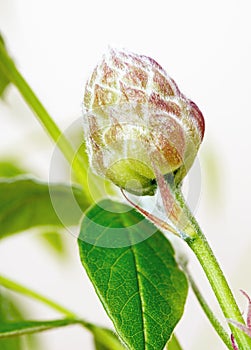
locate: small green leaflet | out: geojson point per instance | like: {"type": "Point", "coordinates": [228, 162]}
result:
{"type": "Point", "coordinates": [140, 285]}
{"type": "Point", "coordinates": [27, 203]}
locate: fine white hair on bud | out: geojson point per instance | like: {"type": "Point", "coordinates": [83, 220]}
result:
{"type": "Point", "coordinates": [135, 118]}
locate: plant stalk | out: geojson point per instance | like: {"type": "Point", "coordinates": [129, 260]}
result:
{"type": "Point", "coordinates": [220, 287]}
{"type": "Point", "coordinates": [9, 69]}
{"type": "Point", "coordinates": [189, 230]}
{"type": "Point", "coordinates": [199, 245]}
{"type": "Point", "coordinates": [207, 310]}
{"type": "Point", "coordinates": [16, 287]}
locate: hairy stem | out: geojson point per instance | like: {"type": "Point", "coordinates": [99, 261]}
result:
{"type": "Point", "coordinates": [9, 69]}
{"type": "Point", "coordinates": [188, 228]}
{"type": "Point", "coordinates": [209, 313]}
{"type": "Point", "coordinates": [221, 289]}
{"type": "Point", "coordinates": [199, 245]}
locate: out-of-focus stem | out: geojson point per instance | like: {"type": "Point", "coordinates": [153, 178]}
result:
{"type": "Point", "coordinates": [9, 69]}
{"type": "Point", "coordinates": [105, 336]}
{"type": "Point", "coordinates": [17, 287]}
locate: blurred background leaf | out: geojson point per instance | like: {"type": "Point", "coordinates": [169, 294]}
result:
{"type": "Point", "coordinates": [10, 168]}
{"type": "Point", "coordinates": [50, 238]}
{"type": "Point", "coordinates": [27, 203]}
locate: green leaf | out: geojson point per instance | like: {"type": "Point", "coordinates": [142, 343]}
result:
{"type": "Point", "coordinates": [10, 169]}
{"type": "Point", "coordinates": [4, 80]}
{"type": "Point", "coordinates": [14, 329]}
{"type": "Point", "coordinates": [54, 240]}
{"type": "Point", "coordinates": [137, 279]}
{"type": "Point", "coordinates": [27, 203]}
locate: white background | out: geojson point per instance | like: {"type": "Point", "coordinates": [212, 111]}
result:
{"type": "Point", "coordinates": [206, 48]}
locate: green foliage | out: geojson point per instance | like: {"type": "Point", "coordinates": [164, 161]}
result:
{"type": "Point", "coordinates": [27, 203]}
{"type": "Point", "coordinates": [140, 285]}
{"type": "Point", "coordinates": [10, 169]}
{"type": "Point", "coordinates": [130, 263]}
{"type": "Point", "coordinates": [13, 329]}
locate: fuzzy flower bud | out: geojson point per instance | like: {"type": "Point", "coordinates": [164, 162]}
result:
{"type": "Point", "coordinates": [135, 118]}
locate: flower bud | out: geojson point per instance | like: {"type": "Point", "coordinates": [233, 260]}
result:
{"type": "Point", "coordinates": [135, 118]}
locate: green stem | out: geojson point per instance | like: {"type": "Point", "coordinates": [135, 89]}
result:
{"type": "Point", "coordinates": [105, 336]}
{"type": "Point", "coordinates": [16, 287]}
{"type": "Point", "coordinates": [215, 276]}
{"type": "Point", "coordinates": [221, 289]}
{"type": "Point", "coordinates": [9, 69]}
{"type": "Point", "coordinates": [209, 313]}
{"type": "Point", "coordinates": [188, 228]}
